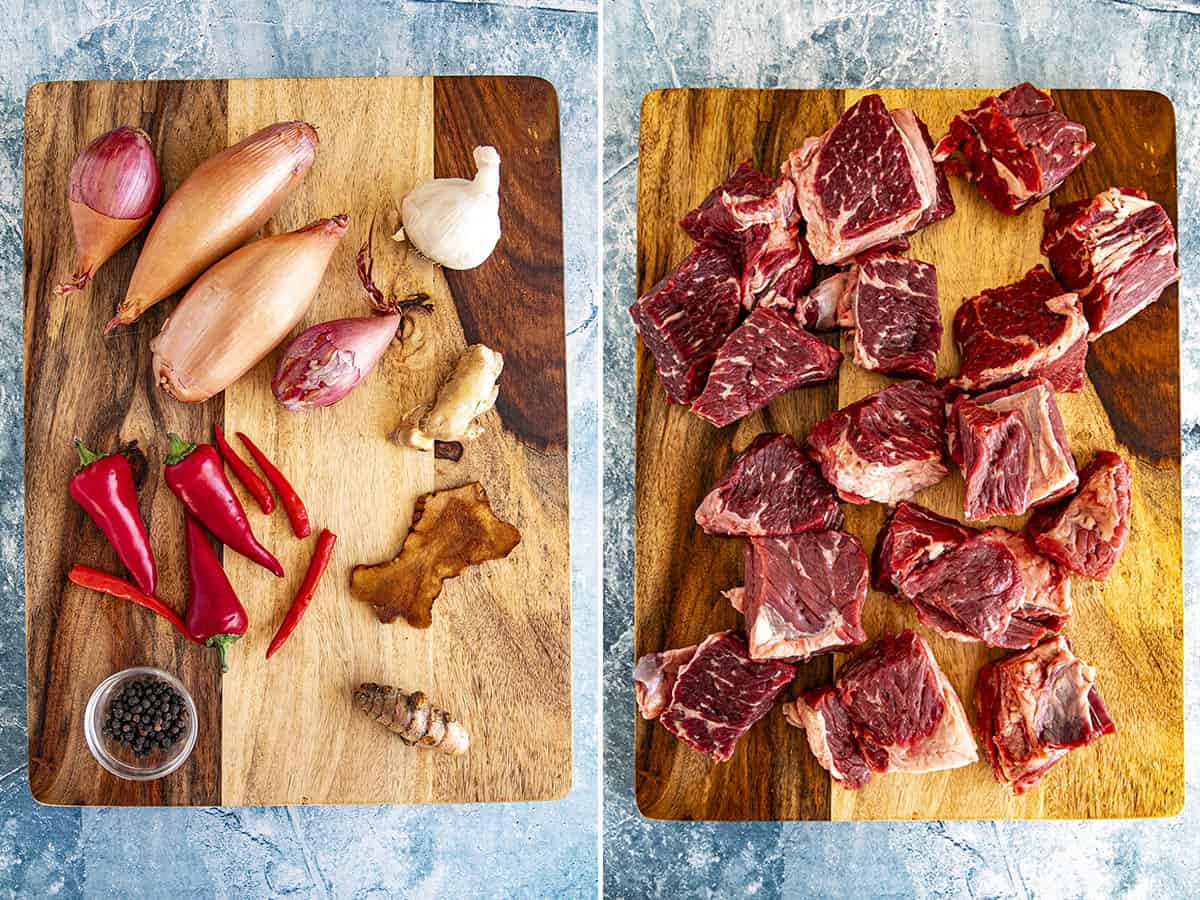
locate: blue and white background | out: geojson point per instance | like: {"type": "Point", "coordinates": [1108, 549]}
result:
{"type": "Point", "coordinates": [652, 44]}
{"type": "Point", "coordinates": [517, 850]}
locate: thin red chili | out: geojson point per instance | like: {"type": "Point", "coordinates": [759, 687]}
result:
{"type": "Point", "coordinates": [215, 616]}
{"type": "Point", "coordinates": [195, 474]}
{"type": "Point", "coordinates": [316, 568]}
{"type": "Point", "coordinates": [291, 501]}
{"type": "Point", "coordinates": [104, 487]}
{"type": "Point", "coordinates": [96, 580]}
{"type": "Point", "coordinates": [247, 476]}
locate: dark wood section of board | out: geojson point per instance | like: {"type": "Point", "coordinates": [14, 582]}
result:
{"type": "Point", "coordinates": [513, 302]}
{"type": "Point", "coordinates": [76, 637]}
{"type": "Point", "coordinates": [1144, 410]}
{"type": "Point", "coordinates": [772, 775]}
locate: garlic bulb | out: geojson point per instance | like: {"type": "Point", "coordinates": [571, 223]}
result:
{"type": "Point", "coordinates": [453, 221]}
{"type": "Point", "coordinates": [468, 393]}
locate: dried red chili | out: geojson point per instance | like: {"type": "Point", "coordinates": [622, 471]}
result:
{"type": "Point", "coordinates": [316, 568]}
{"type": "Point", "coordinates": [215, 616]}
{"type": "Point", "coordinates": [247, 476]}
{"type": "Point", "coordinates": [291, 501]}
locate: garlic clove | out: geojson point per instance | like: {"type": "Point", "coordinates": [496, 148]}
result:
{"type": "Point", "coordinates": [455, 222]}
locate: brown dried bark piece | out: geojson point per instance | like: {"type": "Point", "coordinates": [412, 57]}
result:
{"type": "Point", "coordinates": [451, 530]}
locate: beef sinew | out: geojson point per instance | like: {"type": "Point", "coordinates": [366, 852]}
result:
{"type": "Point", "coordinates": [1034, 708]}
{"type": "Point", "coordinates": [771, 489]}
{"type": "Point", "coordinates": [1087, 532]}
{"type": "Point", "coordinates": [1116, 250]}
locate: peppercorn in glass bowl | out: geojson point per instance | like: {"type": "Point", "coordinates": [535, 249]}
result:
{"type": "Point", "coordinates": [161, 719]}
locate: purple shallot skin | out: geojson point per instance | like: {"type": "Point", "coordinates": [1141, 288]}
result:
{"type": "Point", "coordinates": [327, 361]}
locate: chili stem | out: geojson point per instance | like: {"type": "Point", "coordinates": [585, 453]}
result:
{"type": "Point", "coordinates": [96, 580]}
{"type": "Point", "coordinates": [291, 501]}
{"type": "Point", "coordinates": [246, 475]}
{"type": "Point", "coordinates": [316, 568]}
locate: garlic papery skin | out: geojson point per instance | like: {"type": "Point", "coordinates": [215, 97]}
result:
{"type": "Point", "coordinates": [453, 221]}
{"type": "Point", "coordinates": [469, 392]}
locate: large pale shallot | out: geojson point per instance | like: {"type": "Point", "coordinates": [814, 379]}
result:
{"type": "Point", "coordinates": [240, 309]}
{"type": "Point", "coordinates": [216, 209]}
{"type": "Point", "coordinates": [115, 185]}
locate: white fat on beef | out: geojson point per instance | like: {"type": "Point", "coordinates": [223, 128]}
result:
{"type": "Point", "coordinates": [654, 677]}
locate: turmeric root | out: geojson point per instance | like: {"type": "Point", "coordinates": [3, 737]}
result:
{"type": "Point", "coordinates": [468, 393]}
{"type": "Point", "coordinates": [417, 721]}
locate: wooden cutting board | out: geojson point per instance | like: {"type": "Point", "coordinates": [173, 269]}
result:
{"type": "Point", "coordinates": [1130, 627]}
{"type": "Point", "coordinates": [498, 653]}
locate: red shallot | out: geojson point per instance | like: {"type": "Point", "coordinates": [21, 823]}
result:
{"type": "Point", "coordinates": [240, 309]}
{"type": "Point", "coordinates": [216, 209]}
{"type": "Point", "coordinates": [327, 361]}
{"type": "Point", "coordinates": [115, 185]}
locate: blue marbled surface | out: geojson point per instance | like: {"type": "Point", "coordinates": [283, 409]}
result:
{"type": "Point", "coordinates": [545, 849]}
{"type": "Point", "coordinates": [663, 43]}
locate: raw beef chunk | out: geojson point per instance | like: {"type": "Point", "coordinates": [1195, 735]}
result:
{"type": "Point", "coordinates": [1016, 147]}
{"type": "Point", "coordinates": [771, 489]}
{"type": "Point", "coordinates": [768, 355]}
{"type": "Point", "coordinates": [867, 180]}
{"type": "Point", "coordinates": [1031, 327]}
{"type": "Point", "coordinates": [885, 447]}
{"type": "Point", "coordinates": [891, 303]}
{"type": "Point", "coordinates": [912, 537]}
{"type": "Point", "coordinates": [746, 198]}
{"type": "Point", "coordinates": [1034, 708]}
{"type": "Point", "coordinates": [654, 679]}
{"type": "Point", "coordinates": [1087, 532]}
{"type": "Point", "coordinates": [891, 709]}
{"type": "Point", "coordinates": [989, 586]}
{"type": "Point", "coordinates": [1117, 251]}
{"type": "Point", "coordinates": [818, 309]}
{"type": "Point", "coordinates": [1012, 448]}
{"type": "Point", "coordinates": [943, 206]}
{"type": "Point", "coordinates": [777, 265]}
{"type": "Point", "coordinates": [717, 694]}
{"type": "Point", "coordinates": [804, 594]}
{"type": "Point", "coordinates": [685, 318]}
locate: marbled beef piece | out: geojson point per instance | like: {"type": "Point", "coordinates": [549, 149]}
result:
{"type": "Point", "coordinates": [771, 489]}
{"type": "Point", "coordinates": [654, 679]}
{"type": "Point", "coordinates": [830, 734]}
{"type": "Point", "coordinates": [1031, 327]}
{"type": "Point", "coordinates": [1116, 250]}
{"type": "Point", "coordinates": [1087, 532]}
{"type": "Point", "coordinates": [745, 199]}
{"type": "Point", "coordinates": [912, 536]}
{"type": "Point", "coordinates": [1034, 708]}
{"type": "Point", "coordinates": [1016, 147]}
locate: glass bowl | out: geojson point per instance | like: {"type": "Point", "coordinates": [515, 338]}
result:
{"type": "Point", "coordinates": [120, 760]}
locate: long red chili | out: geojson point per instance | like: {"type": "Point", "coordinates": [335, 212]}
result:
{"type": "Point", "coordinates": [316, 568]}
{"type": "Point", "coordinates": [291, 501]}
{"type": "Point", "coordinates": [96, 580]}
{"type": "Point", "coordinates": [104, 487]}
{"type": "Point", "coordinates": [215, 616]}
{"type": "Point", "coordinates": [247, 476]}
{"type": "Point", "coordinates": [194, 472]}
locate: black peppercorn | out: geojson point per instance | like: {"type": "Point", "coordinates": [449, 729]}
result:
{"type": "Point", "coordinates": [145, 716]}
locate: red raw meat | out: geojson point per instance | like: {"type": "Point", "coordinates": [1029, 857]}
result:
{"type": "Point", "coordinates": [1031, 327]}
{"type": "Point", "coordinates": [885, 447]}
{"type": "Point", "coordinates": [804, 594]}
{"type": "Point", "coordinates": [654, 679]}
{"type": "Point", "coordinates": [818, 309]}
{"type": "Point", "coordinates": [1015, 146]}
{"type": "Point", "coordinates": [746, 198]}
{"type": "Point", "coordinates": [912, 537]}
{"type": "Point", "coordinates": [777, 266]}
{"type": "Point", "coordinates": [685, 318]}
{"type": "Point", "coordinates": [1087, 532]}
{"type": "Point", "coordinates": [1034, 708]}
{"type": "Point", "coordinates": [768, 355]}
{"type": "Point", "coordinates": [771, 489]}
{"type": "Point", "coordinates": [1116, 250]}
{"type": "Point", "coordinates": [719, 693]}
{"type": "Point", "coordinates": [867, 180]}
{"type": "Point", "coordinates": [893, 710]}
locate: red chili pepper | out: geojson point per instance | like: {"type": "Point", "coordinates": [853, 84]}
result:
{"type": "Point", "coordinates": [246, 475]}
{"type": "Point", "coordinates": [316, 568]}
{"type": "Point", "coordinates": [96, 580]}
{"type": "Point", "coordinates": [215, 616]}
{"type": "Point", "coordinates": [104, 487]}
{"type": "Point", "coordinates": [291, 501]}
{"type": "Point", "coordinates": [194, 472]}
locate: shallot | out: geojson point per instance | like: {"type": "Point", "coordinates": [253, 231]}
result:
{"type": "Point", "coordinates": [240, 309]}
{"type": "Point", "coordinates": [327, 361]}
{"type": "Point", "coordinates": [115, 185]}
{"type": "Point", "coordinates": [216, 209]}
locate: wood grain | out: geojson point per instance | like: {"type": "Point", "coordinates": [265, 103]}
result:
{"type": "Point", "coordinates": [498, 653]}
{"type": "Point", "coordinates": [1130, 627]}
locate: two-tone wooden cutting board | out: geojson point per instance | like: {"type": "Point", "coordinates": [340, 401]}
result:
{"type": "Point", "coordinates": [498, 653]}
{"type": "Point", "coordinates": [1130, 627]}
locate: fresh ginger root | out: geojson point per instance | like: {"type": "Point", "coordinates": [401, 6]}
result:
{"type": "Point", "coordinates": [468, 393]}
{"type": "Point", "coordinates": [418, 722]}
